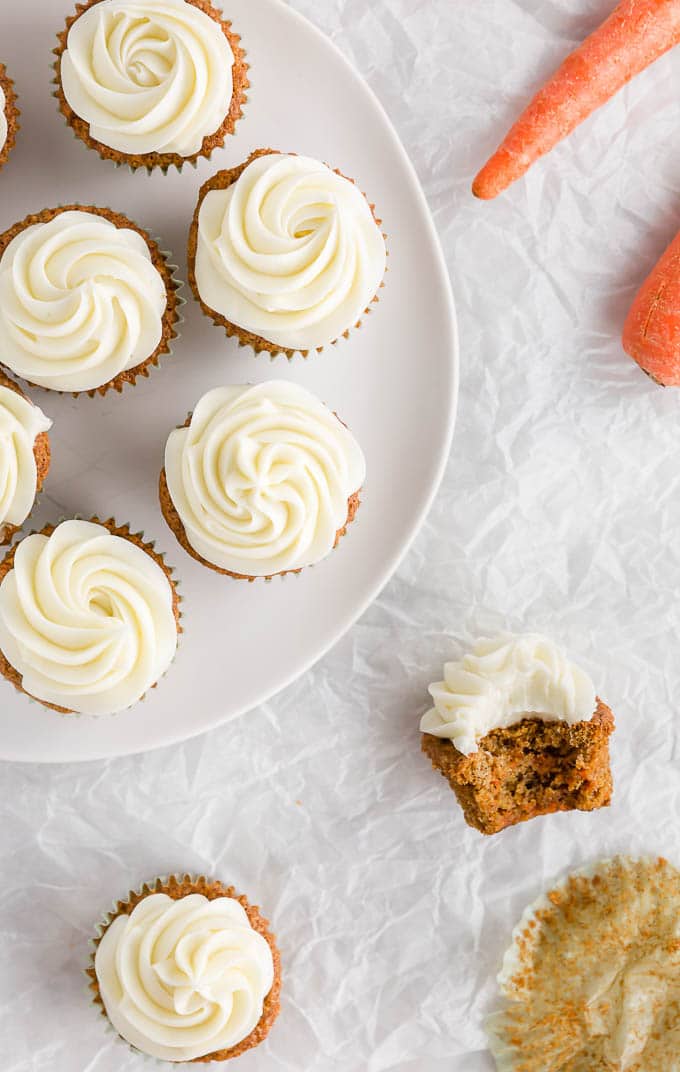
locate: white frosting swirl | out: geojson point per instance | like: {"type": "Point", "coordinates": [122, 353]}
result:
{"type": "Point", "coordinates": [502, 681]}
{"type": "Point", "coordinates": [181, 979]}
{"type": "Point", "coordinates": [261, 478]}
{"type": "Point", "coordinates": [149, 76]}
{"type": "Point", "coordinates": [87, 619]}
{"type": "Point", "coordinates": [290, 252]}
{"type": "Point", "coordinates": [80, 302]}
{"type": "Point", "coordinates": [20, 425]}
{"type": "Point", "coordinates": [3, 119]}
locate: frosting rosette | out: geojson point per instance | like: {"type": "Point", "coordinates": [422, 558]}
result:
{"type": "Point", "coordinates": [148, 76]}
{"type": "Point", "coordinates": [81, 301]}
{"type": "Point", "coordinates": [3, 119]}
{"type": "Point", "coordinates": [261, 478]}
{"type": "Point", "coordinates": [289, 252]}
{"type": "Point", "coordinates": [502, 681]}
{"type": "Point", "coordinates": [87, 618]}
{"type": "Point", "coordinates": [182, 979]}
{"type": "Point", "coordinates": [20, 425]}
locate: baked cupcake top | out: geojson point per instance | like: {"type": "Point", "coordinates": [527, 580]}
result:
{"type": "Point", "coordinates": [87, 618]}
{"type": "Point", "coordinates": [20, 425]}
{"type": "Point", "coordinates": [502, 681]}
{"type": "Point", "coordinates": [181, 979]}
{"type": "Point", "coordinates": [148, 76]}
{"type": "Point", "coordinates": [261, 478]}
{"type": "Point", "coordinates": [290, 252]}
{"type": "Point", "coordinates": [81, 301]}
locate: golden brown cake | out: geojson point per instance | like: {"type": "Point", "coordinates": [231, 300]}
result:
{"type": "Point", "coordinates": [253, 960]}
{"type": "Point", "coordinates": [9, 116]}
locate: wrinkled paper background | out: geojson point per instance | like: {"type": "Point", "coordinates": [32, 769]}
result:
{"type": "Point", "coordinates": [559, 511]}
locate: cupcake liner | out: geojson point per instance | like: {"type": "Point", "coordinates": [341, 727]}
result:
{"type": "Point", "coordinates": [161, 259]}
{"type": "Point", "coordinates": [180, 886]}
{"type": "Point", "coordinates": [547, 1021]}
{"type": "Point", "coordinates": [8, 672]}
{"type": "Point", "coordinates": [162, 162]}
{"type": "Point", "coordinates": [12, 114]}
{"type": "Point", "coordinates": [246, 339]}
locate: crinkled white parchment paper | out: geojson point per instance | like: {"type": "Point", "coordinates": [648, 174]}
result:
{"type": "Point", "coordinates": [559, 511]}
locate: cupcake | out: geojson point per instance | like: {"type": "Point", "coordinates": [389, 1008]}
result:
{"type": "Point", "coordinates": [24, 456]}
{"type": "Point", "coordinates": [9, 115]}
{"type": "Point", "coordinates": [518, 731]}
{"type": "Point", "coordinates": [150, 83]}
{"type": "Point", "coordinates": [89, 617]}
{"type": "Point", "coordinates": [284, 253]}
{"type": "Point", "coordinates": [260, 480]}
{"type": "Point", "coordinates": [87, 300]}
{"type": "Point", "coordinates": [591, 980]}
{"type": "Point", "coordinates": [187, 970]}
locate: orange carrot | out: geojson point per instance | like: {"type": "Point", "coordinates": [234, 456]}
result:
{"type": "Point", "coordinates": [651, 334]}
{"type": "Point", "coordinates": [635, 34]}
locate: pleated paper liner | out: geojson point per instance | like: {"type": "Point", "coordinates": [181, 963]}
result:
{"type": "Point", "coordinates": [163, 162]}
{"type": "Point", "coordinates": [125, 532]}
{"type": "Point", "coordinates": [256, 343]}
{"type": "Point", "coordinates": [176, 887]}
{"type": "Point", "coordinates": [172, 317]}
{"type": "Point", "coordinates": [11, 115]}
{"type": "Point", "coordinates": [41, 453]}
{"type": "Point", "coordinates": [592, 977]}
{"type": "Point", "coordinates": [176, 526]}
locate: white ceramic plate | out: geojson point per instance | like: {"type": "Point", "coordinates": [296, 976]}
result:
{"type": "Point", "coordinates": [394, 382]}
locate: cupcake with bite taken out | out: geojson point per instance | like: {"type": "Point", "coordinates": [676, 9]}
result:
{"type": "Point", "coordinates": [518, 731]}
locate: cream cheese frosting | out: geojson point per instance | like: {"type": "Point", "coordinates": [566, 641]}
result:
{"type": "Point", "coordinates": [80, 302]}
{"type": "Point", "coordinates": [181, 979]}
{"type": "Point", "coordinates": [3, 119]}
{"type": "Point", "coordinates": [290, 252]}
{"type": "Point", "coordinates": [87, 619]}
{"type": "Point", "coordinates": [20, 425]}
{"type": "Point", "coordinates": [500, 682]}
{"type": "Point", "coordinates": [262, 476]}
{"type": "Point", "coordinates": [149, 76]}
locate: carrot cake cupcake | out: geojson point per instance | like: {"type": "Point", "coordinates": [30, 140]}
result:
{"type": "Point", "coordinates": [518, 731]}
{"type": "Point", "coordinates": [285, 253]}
{"type": "Point", "coordinates": [9, 115]}
{"type": "Point", "coordinates": [150, 83]}
{"type": "Point", "coordinates": [187, 970]}
{"type": "Point", "coordinates": [261, 480]}
{"type": "Point", "coordinates": [89, 617]}
{"type": "Point", "coordinates": [87, 300]}
{"type": "Point", "coordinates": [24, 456]}
{"type": "Point", "coordinates": [591, 980]}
